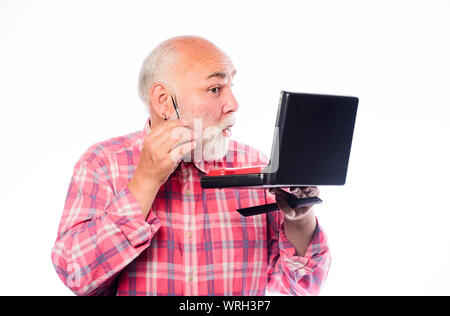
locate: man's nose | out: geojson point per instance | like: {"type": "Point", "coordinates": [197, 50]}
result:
{"type": "Point", "coordinates": [231, 104]}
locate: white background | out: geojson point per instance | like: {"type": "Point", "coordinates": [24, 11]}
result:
{"type": "Point", "coordinates": [68, 78]}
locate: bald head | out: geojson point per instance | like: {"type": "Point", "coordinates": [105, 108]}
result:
{"type": "Point", "coordinates": [191, 45]}
{"type": "Point", "coordinates": [174, 57]}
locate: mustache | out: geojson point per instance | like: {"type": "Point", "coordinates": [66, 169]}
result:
{"type": "Point", "coordinates": [227, 121]}
{"type": "Point", "coordinates": [213, 131]}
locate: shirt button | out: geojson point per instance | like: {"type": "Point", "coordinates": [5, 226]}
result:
{"type": "Point", "coordinates": [188, 193]}
{"type": "Point", "coordinates": [189, 235]}
{"type": "Point", "coordinates": [191, 278]}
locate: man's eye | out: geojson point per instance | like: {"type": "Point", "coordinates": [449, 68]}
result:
{"type": "Point", "coordinates": [215, 90]}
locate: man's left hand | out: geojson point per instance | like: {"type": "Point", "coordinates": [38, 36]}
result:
{"type": "Point", "coordinates": [295, 214]}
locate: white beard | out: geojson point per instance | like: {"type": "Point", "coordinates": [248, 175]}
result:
{"type": "Point", "coordinates": [215, 148]}
{"type": "Point", "coordinates": [214, 145]}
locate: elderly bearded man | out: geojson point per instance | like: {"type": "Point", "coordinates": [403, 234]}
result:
{"type": "Point", "coordinates": [137, 222]}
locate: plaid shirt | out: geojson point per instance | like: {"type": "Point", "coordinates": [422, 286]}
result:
{"type": "Point", "coordinates": [192, 242]}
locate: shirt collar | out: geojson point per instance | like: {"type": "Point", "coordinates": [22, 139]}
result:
{"type": "Point", "coordinates": [203, 166]}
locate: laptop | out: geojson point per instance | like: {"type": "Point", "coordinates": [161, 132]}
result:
{"type": "Point", "coordinates": [311, 146]}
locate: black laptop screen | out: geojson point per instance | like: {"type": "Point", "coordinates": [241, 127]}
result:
{"type": "Point", "coordinates": [315, 136]}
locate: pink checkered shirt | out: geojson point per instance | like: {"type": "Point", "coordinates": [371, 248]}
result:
{"type": "Point", "coordinates": [193, 241]}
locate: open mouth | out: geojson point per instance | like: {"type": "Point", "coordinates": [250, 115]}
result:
{"type": "Point", "coordinates": [227, 131]}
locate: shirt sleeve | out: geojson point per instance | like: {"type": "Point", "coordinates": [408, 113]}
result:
{"type": "Point", "coordinates": [100, 233]}
{"type": "Point", "coordinates": [290, 274]}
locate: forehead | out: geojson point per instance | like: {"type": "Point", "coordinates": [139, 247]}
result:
{"type": "Point", "coordinates": [204, 65]}
{"type": "Point", "coordinates": [216, 66]}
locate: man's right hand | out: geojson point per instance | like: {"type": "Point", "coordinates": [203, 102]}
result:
{"type": "Point", "coordinates": [162, 151]}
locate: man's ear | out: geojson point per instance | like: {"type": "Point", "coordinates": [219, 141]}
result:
{"type": "Point", "coordinates": [159, 99]}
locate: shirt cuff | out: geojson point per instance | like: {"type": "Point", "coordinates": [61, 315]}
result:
{"type": "Point", "coordinates": [125, 212]}
{"type": "Point", "coordinates": [297, 265]}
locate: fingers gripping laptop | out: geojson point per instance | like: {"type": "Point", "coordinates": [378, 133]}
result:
{"type": "Point", "coordinates": [311, 147]}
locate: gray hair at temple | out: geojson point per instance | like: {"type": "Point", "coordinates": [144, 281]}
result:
{"type": "Point", "coordinates": [155, 69]}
